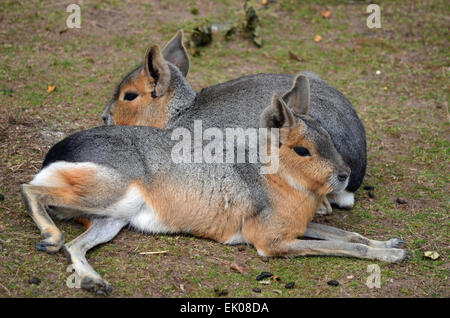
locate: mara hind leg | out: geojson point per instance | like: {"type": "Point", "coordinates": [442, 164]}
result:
{"type": "Point", "coordinates": [338, 248]}
{"type": "Point", "coordinates": [70, 190]}
{"type": "Point", "coordinates": [100, 231]}
{"type": "Point", "coordinates": [35, 202]}
{"type": "Point", "coordinates": [329, 233]}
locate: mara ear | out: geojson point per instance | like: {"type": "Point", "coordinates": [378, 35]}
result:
{"type": "Point", "coordinates": [175, 53]}
{"type": "Point", "coordinates": [277, 115]}
{"type": "Point", "coordinates": [155, 66]}
{"type": "Point", "coordinates": [298, 97]}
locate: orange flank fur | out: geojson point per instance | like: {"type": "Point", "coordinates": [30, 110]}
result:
{"type": "Point", "coordinates": [83, 221]}
{"type": "Point", "coordinates": [184, 209]}
{"type": "Point", "coordinates": [76, 183]}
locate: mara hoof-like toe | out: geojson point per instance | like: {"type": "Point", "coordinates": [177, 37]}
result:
{"type": "Point", "coordinates": [49, 246]}
{"type": "Point", "coordinates": [401, 256]}
{"type": "Point", "coordinates": [395, 243]}
{"type": "Point", "coordinates": [96, 285]}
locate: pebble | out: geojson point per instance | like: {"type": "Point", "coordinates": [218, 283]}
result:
{"type": "Point", "coordinates": [333, 283]}
{"type": "Point", "coordinates": [289, 285]}
{"type": "Point", "coordinates": [264, 275]}
{"type": "Point", "coordinates": [221, 292]}
{"type": "Point", "coordinates": [34, 281]}
{"type": "Point", "coordinates": [256, 290]}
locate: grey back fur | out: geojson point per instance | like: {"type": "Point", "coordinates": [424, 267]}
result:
{"type": "Point", "coordinates": [239, 102]}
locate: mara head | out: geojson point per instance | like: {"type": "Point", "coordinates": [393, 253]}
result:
{"type": "Point", "coordinates": [144, 95]}
{"type": "Point", "coordinates": [307, 156]}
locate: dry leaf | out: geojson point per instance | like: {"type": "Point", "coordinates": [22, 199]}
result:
{"type": "Point", "coordinates": [294, 57]}
{"type": "Point", "coordinates": [276, 278]}
{"type": "Point", "coordinates": [317, 38]}
{"type": "Point", "coordinates": [237, 268]}
{"type": "Point", "coordinates": [431, 254]}
{"type": "Point", "coordinates": [50, 89]}
{"type": "Point", "coordinates": [326, 14]}
{"type": "Point", "coordinates": [279, 292]}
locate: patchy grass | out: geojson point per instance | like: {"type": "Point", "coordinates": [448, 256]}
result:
{"type": "Point", "coordinates": [404, 110]}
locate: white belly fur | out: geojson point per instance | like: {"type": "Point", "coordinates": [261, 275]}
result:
{"type": "Point", "coordinates": [141, 214]}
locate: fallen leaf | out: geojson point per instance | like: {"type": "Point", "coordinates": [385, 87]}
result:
{"type": "Point", "coordinates": [431, 254]}
{"type": "Point", "coordinates": [317, 38]}
{"type": "Point", "coordinates": [326, 14]}
{"type": "Point", "coordinates": [294, 57]}
{"type": "Point", "coordinates": [350, 277]}
{"type": "Point", "coordinates": [237, 268]}
{"type": "Point", "coordinates": [276, 278]}
{"type": "Point", "coordinates": [50, 89]}
{"type": "Point", "coordinates": [279, 292]}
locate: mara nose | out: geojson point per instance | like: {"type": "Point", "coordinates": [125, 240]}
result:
{"type": "Point", "coordinates": [342, 176]}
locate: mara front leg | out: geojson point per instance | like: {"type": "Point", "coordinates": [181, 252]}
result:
{"type": "Point", "coordinates": [329, 233]}
{"type": "Point", "coordinates": [339, 248]}
{"type": "Point", "coordinates": [101, 231]}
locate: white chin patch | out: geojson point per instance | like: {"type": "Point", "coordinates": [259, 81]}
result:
{"type": "Point", "coordinates": [343, 199]}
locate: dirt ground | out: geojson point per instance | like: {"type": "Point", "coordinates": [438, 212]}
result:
{"type": "Point", "coordinates": [396, 77]}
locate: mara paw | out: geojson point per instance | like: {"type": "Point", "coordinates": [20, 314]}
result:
{"type": "Point", "coordinates": [342, 200]}
{"type": "Point", "coordinates": [394, 255]}
{"type": "Point", "coordinates": [395, 243]}
{"type": "Point", "coordinates": [324, 210]}
{"type": "Point", "coordinates": [50, 243]}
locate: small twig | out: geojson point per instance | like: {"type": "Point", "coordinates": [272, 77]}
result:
{"type": "Point", "coordinates": [4, 287]}
{"type": "Point", "coordinates": [153, 253]}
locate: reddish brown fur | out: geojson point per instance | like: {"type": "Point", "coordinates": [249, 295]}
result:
{"type": "Point", "coordinates": [292, 208]}
{"type": "Point", "coordinates": [84, 221]}
{"type": "Point", "coordinates": [144, 110]}
{"type": "Point", "coordinates": [77, 183]}
{"type": "Point", "coordinates": [184, 209]}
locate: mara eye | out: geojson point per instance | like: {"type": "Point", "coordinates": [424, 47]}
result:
{"type": "Point", "coordinates": [130, 96]}
{"type": "Point", "coordinates": [302, 151]}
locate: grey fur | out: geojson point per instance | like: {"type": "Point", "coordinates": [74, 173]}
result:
{"type": "Point", "coordinates": [175, 53]}
{"type": "Point", "coordinates": [238, 103]}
